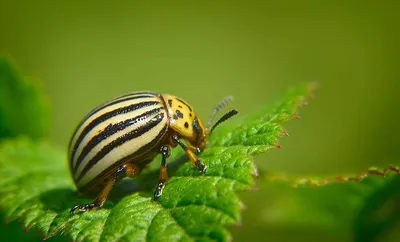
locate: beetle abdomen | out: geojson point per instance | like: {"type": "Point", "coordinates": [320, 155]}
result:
{"type": "Point", "coordinates": [121, 129]}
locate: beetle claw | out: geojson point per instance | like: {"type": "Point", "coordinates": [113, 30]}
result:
{"type": "Point", "coordinates": [86, 207]}
{"type": "Point", "coordinates": [204, 170]}
{"type": "Point", "coordinates": [158, 191]}
{"type": "Point", "coordinates": [81, 208]}
{"type": "Point", "coordinates": [202, 167]}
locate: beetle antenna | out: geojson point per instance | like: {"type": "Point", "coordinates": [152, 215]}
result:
{"type": "Point", "coordinates": [220, 105]}
{"type": "Point", "coordinates": [226, 116]}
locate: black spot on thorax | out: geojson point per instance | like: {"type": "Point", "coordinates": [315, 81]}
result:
{"type": "Point", "coordinates": [179, 114]}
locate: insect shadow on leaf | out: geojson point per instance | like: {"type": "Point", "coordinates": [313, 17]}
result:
{"type": "Point", "coordinates": [62, 199]}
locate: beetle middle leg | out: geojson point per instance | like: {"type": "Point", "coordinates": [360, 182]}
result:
{"type": "Point", "coordinates": [165, 153]}
{"type": "Point", "coordinates": [125, 170]}
{"type": "Point", "coordinates": [192, 156]}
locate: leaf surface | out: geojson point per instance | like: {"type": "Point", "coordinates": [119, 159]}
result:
{"type": "Point", "coordinates": [23, 107]}
{"type": "Point", "coordinates": [36, 188]}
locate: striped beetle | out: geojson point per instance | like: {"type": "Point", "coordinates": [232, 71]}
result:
{"type": "Point", "coordinates": [120, 137]}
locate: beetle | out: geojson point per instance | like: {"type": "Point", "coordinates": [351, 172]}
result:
{"type": "Point", "coordinates": [121, 136]}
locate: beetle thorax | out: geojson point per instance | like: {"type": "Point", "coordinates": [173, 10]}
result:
{"type": "Point", "coordinates": [184, 121]}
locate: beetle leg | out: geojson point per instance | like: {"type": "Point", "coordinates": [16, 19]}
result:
{"type": "Point", "coordinates": [192, 156]}
{"type": "Point", "coordinates": [132, 170]}
{"type": "Point", "coordinates": [102, 197]}
{"type": "Point", "coordinates": [162, 180]}
{"type": "Point", "coordinates": [98, 201]}
{"type": "Point", "coordinates": [196, 150]}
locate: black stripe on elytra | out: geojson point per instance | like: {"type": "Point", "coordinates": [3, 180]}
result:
{"type": "Point", "coordinates": [180, 100]}
{"type": "Point", "coordinates": [116, 101]}
{"type": "Point", "coordinates": [108, 115]}
{"type": "Point", "coordinates": [121, 140]}
{"type": "Point", "coordinates": [110, 130]}
{"type": "Point", "coordinates": [137, 158]}
{"type": "Point", "coordinates": [105, 105]}
{"type": "Point", "coordinates": [133, 94]}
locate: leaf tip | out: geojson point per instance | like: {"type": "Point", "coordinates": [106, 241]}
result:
{"type": "Point", "coordinates": [284, 133]}
{"type": "Point", "coordinates": [296, 116]}
{"type": "Point", "coordinates": [393, 168]}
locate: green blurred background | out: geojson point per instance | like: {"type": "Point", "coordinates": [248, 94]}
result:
{"type": "Point", "coordinates": [86, 52]}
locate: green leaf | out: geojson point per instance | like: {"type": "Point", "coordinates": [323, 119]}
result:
{"type": "Point", "coordinates": [23, 107]}
{"type": "Point", "coordinates": [365, 203]}
{"type": "Point", "coordinates": [380, 213]}
{"type": "Point", "coordinates": [318, 181]}
{"type": "Point", "coordinates": [36, 188]}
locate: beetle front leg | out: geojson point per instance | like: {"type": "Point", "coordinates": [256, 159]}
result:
{"type": "Point", "coordinates": [165, 152]}
{"type": "Point", "coordinates": [192, 156]}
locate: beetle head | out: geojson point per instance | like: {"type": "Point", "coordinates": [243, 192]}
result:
{"type": "Point", "coordinates": [184, 121]}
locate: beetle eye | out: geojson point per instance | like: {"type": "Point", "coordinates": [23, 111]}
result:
{"type": "Point", "coordinates": [197, 129]}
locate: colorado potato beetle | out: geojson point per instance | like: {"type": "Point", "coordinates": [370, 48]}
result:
{"type": "Point", "coordinates": [121, 136]}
